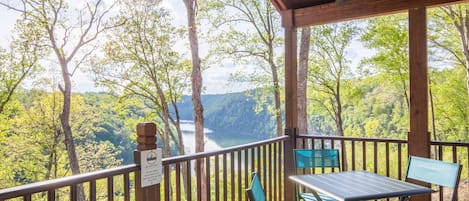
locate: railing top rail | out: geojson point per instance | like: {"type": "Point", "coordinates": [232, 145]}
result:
{"type": "Point", "coordinates": [352, 138]}
{"type": "Point", "coordinates": [194, 156]}
{"type": "Point", "coordinates": [463, 144]}
{"type": "Point", "coordinates": [62, 182]}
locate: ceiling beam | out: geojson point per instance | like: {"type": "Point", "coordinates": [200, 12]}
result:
{"type": "Point", "coordinates": [279, 5]}
{"type": "Point", "coordinates": [357, 9]}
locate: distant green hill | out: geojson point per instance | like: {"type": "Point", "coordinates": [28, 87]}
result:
{"type": "Point", "coordinates": [231, 114]}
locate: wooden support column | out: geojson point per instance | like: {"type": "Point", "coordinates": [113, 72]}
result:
{"type": "Point", "coordinates": [418, 138]}
{"type": "Point", "coordinates": [146, 140]}
{"type": "Point", "coordinates": [291, 101]}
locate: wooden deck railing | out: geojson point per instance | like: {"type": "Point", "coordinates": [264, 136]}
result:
{"type": "Point", "coordinates": [229, 170]}
{"type": "Point", "coordinates": [387, 156]}
{"type": "Point", "coordinates": [52, 189]}
{"type": "Point", "coordinates": [229, 173]}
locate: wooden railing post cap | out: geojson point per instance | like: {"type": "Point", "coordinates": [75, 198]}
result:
{"type": "Point", "coordinates": [147, 129]}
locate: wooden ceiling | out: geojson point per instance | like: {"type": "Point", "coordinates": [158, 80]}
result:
{"type": "Point", "coordinates": [299, 13]}
{"type": "Point", "coordinates": [295, 4]}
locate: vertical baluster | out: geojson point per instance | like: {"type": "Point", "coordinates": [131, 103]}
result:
{"type": "Point", "coordinates": [269, 152]}
{"type": "Point", "coordinates": [225, 178]}
{"type": "Point", "coordinates": [252, 151]}
{"type": "Point", "coordinates": [217, 177]}
{"type": "Point", "coordinates": [199, 179]}
{"type": "Point", "coordinates": [364, 154]}
{"type": "Point", "coordinates": [387, 159]}
{"type": "Point", "coordinates": [455, 154]}
{"type": "Point", "coordinates": [467, 166]}
{"type": "Point", "coordinates": [246, 169]}
{"type": "Point", "coordinates": [167, 179]}
{"type": "Point", "coordinates": [264, 165]}
{"type": "Point", "coordinates": [27, 197]}
{"type": "Point", "coordinates": [280, 156]}
{"type": "Point", "coordinates": [73, 192]}
{"type": "Point", "coordinates": [322, 147]}
{"type": "Point", "coordinates": [93, 190]}
{"type": "Point", "coordinates": [259, 160]}
{"type": "Point", "coordinates": [399, 161]}
{"type": "Point", "coordinates": [455, 160]}
{"type": "Point", "coordinates": [189, 180]}
{"type": "Point", "coordinates": [344, 155]}
{"type": "Point", "coordinates": [275, 171]}
{"type": "Point", "coordinates": [375, 150]}
{"type": "Point", "coordinates": [440, 156]}
{"type": "Point", "coordinates": [110, 188]}
{"type": "Point", "coordinates": [239, 175]}
{"type": "Point", "coordinates": [126, 187]}
{"type": "Point", "coordinates": [353, 155]}
{"type": "Point", "coordinates": [232, 179]}
{"type": "Point", "coordinates": [178, 181]}
{"type": "Point", "coordinates": [207, 177]}
{"type": "Point", "coordinates": [51, 195]}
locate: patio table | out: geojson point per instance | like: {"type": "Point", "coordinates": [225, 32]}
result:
{"type": "Point", "coordinates": [358, 185]}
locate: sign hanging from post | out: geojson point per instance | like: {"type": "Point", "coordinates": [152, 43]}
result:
{"type": "Point", "coordinates": [151, 167]}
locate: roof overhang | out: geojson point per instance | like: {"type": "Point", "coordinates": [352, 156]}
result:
{"type": "Point", "coordinates": [302, 13]}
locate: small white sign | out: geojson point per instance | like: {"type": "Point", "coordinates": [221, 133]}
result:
{"type": "Point", "coordinates": [151, 167]}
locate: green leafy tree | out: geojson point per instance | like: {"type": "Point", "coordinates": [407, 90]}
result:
{"type": "Point", "coordinates": [70, 39]}
{"type": "Point", "coordinates": [34, 142]}
{"type": "Point", "coordinates": [247, 33]}
{"type": "Point", "coordinates": [330, 67]}
{"type": "Point", "coordinates": [388, 35]}
{"type": "Point", "coordinates": [145, 44]}
{"type": "Point", "coordinates": [450, 33]}
{"type": "Point", "coordinates": [20, 61]}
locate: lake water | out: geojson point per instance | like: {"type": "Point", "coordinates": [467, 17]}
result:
{"type": "Point", "coordinates": [213, 140]}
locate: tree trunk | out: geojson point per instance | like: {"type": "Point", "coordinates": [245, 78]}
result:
{"type": "Point", "coordinates": [435, 150]}
{"type": "Point", "coordinates": [65, 122]}
{"type": "Point", "coordinates": [278, 105]}
{"type": "Point", "coordinates": [196, 78]}
{"type": "Point", "coordinates": [302, 80]}
{"type": "Point", "coordinates": [461, 22]}
{"type": "Point", "coordinates": [276, 84]}
{"type": "Point", "coordinates": [339, 124]}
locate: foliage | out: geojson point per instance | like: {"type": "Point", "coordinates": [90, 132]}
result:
{"type": "Point", "coordinates": [247, 33]}
{"type": "Point", "coordinates": [32, 148]}
{"type": "Point", "coordinates": [329, 68]}
{"type": "Point", "coordinates": [388, 35]}
{"type": "Point", "coordinates": [145, 44]}
{"type": "Point", "coordinates": [20, 61]}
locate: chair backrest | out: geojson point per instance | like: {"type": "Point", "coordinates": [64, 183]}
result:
{"type": "Point", "coordinates": [255, 192]}
{"type": "Point", "coordinates": [317, 158]}
{"type": "Point", "coordinates": [435, 172]}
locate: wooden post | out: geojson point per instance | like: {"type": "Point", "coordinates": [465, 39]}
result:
{"type": "Point", "coordinates": [418, 138]}
{"type": "Point", "coordinates": [146, 139]}
{"type": "Point", "coordinates": [291, 101]}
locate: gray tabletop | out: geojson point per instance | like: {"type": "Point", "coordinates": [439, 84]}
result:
{"type": "Point", "coordinates": [358, 185]}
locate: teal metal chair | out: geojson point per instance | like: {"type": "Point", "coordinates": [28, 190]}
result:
{"type": "Point", "coordinates": [255, 191]}
{"type": "Point", "coordinates": [315, 158]}
{"type": "Point", "coordinates": [435, 172]}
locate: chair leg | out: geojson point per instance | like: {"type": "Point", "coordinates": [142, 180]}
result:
{"type": "Point", "coordinates": [318, 198]}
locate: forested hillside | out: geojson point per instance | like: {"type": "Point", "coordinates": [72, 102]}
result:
{"type": "Point", "coordinates": [231, 114]}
